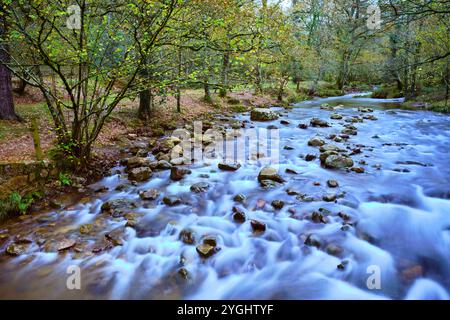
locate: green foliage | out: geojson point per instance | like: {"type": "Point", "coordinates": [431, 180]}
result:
{"type": "Point", "coordinates": [239, 108]}
{"type": "Point", "coordinates": [64, 179]}
{"type": "Point", "coordinates": [387, 92]}
{"type": "Point", "coordinates": [16, 205]}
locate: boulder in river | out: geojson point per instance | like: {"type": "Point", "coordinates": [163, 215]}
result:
{"type": "Point", "coordinates": [239, 197]}
{"type": "Point", "coordinates": [330, 197]}
{"type": "Point", "coordinates": [278, 204]}
{"type": "Point", "coordinates": [176, 174]}
{"type": "Point", "coordinates": [187, 236]}
{"type": "Point", "coordinates": [347, 131]}
{"type": "Point", "coordinates": [310, 157]}
{"type": "Point", "coordinates": [118, 207]}
{"type": "Point", "coordinates": [302, 126]}
{"type": "Point", "coordinates": [205, 250]}
{"type": "Point", "coordinates": [316, 122]}
{"type": "Point", "coordinates": [315, 142]}
{"type": "Point", "coordinates": [140, 174]}
{"type": "Point", "coordinates": [330, 147]}
{"type": "Point", "coordinates": [313, 240]}
{"type": "Point", "coordinates": [171, 201]}
{"type": "Point", "coordinates": [258, 226]}
{"type": "Point", "coordinates": [151, 194]}
{"type": "Point", "coordinates": [338, 162]}
{"type": "Point", "coordinates": [238, 215]}
{"type": "Point", "coordinates": [357, 169]}
{"type": "Point", "coordinates": [263, 114]}
{"type": "Point", "coordinates": [336, 116]}
{"type": "Point", "coordinates": [269, 173]}
{"type": "Point", "coordinates": [200, 187]}
{"type": "Point", "coordinates": [135, 162]}
{"type": "Point", "coordinates": [332, 184]}
{"type": "Point", "coordinates": [229, 166]}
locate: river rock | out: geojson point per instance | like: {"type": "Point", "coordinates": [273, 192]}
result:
{"type": "Point", "coordinates": [310, 157]}
{"type": "Point", "coordinates": [187, 236]}
{"type": "Point", "coordinates": [176, 174]}
{"type": "Point", "coordinates": [318, 217]}
{"type": "Point", "coordinates": [347, 131]}
{"type": "Point", "coordinates": [338, 162]}
{"type": "Point", "coordinates": [210, 240]}
{"type": "Point", "coordinates": [118, 207]}
{"type": "Point", "coordinates": [316, 122]}
{"type": "Point", "coordinates": [357, 169]}
{"type": "Point", "coordinates": [331, 197]}
{"type": "Point", "coordinates": [65, 244]}
{"type": "Point", "coordinates": [336, 116]}
{"type": "Point", "coordinates": [302, 126]}
{"type": "Point", "coordinates": [163, 165]}
{"type": "Point", "coordinates": [316, 142]}
{"type": "Point", "coordinates": [239, 197]}
{"type": "Point", "coordinates": [200, 187]}
{"type": "Point", "coordinates": [135, 162]}
{"type": "Point", "coordinates": [263, 114]}
{"type": "Point", "coordinates": [205, 250]}
{"type": "Point", "coordinates": [171, 201]}
{"type": "Point", "coordinates": [116, 236]}
{"type": "Point", "coordinates": [332, 184]}
{"type": "Point", "coordinates": [229, 166]}
{"type": "Point", "coordinates": [86, 228]}
{"type": "Point", "coordinates": [330, 147]}
{"type": "Point", "coordinates": [238, 215]}
{"type": "Point", "coordinates": [16, 249]}
{"type": "Point", "coordinates": [285, 122]}
{"type": "Point", "coordinates": [277, 204]}
{"type": "Point", "coordinates": [151, 194]}
{"type": "Point", "coordinates": [258, 226]}
{"type": "Point", "coordinates": [313, 240]}
{"type": "Point", "coordinates": [333, 249]}
{"type": "Point", "coordinates": [140, 174]}
{"type": "Point", "coordinates": [269, 173]}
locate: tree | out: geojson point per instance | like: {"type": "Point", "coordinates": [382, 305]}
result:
{"type": "Point", "coordinates": [6, 94]}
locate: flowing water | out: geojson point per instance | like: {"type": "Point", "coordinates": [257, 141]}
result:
{"type": "Point", "coordinates": [399, 228]}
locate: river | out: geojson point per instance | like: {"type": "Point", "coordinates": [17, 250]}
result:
{"type": "Point", "coordinates": [387, 236]}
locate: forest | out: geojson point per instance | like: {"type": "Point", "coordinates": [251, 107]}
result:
{"type": "Point", "coordinates": [93, 92]}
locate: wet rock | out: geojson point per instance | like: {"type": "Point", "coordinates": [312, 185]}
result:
{"type": "Point", "coordinates": [163, 165]}
{"type": "Point", "coordinates": [316, 142]}
{"type": "Point", "coordinates": [140, 174]}
{"type": "Point", "coordinates": [357, 169]}
{"type": "Point", "coordinates": [343, 265]}
{"type": "Point", "coordinates": [316, 183]}
{"type": "Point", "coordinates": [86, 228]}
{"type": "Point", "coordinates": [139, 147]}
{"type": "Point", "coordinates": [177, 174]}
{"type": "Point", "coordinates": [266, 184]}
{"type": "Point", "coordinates": [183, 273]}
{"type": "Point", "coordinates": [258, 226]}
{"type": "Point", "coordinates": [316, 122]}
{"type": "Point", "coordinates": [171, 201]}
{"type": "Point", "coordinates": [101, 245]}
{"type": "Point", "coordinates": [179, 161]}
{"type": "Point", "coordinates": [310, 157]}
{"type": "Point", "coordinates": [187, 236]}
{"type": "Point", "coordinates": [370, 117]}
{"type": "Point", "coordinates": [238, 215]}
{"type": "Point", "coordinates": [277, 204]}
{"type": "Point", "coordinates": [65, 244]}
{"type": "Point", "coordinates": [229, 166]}
{"type": "Point", "coordinates": [313, 240]}
{"type": "Point", "coordinates": [292, 192]}
{"type": "Point", "coordinates": [290, 171]}
{"type": "Point", "coordinates": [200, 187]}
{"type": "Point", "coordinates": [151, 194]}
{"type": "Point", "coordinates": [263, 114]}
{"type": "Point", "coordinates": [324, 155]}
{"type": "Point", "coordinates": [365, 110]}
{"type": "Point", "coordinates": [285, 122]}
{"type": "Point", "coordinates": [336, 116]}
{"type": "Point", "coordinates": [331, 197]}
{"type": "Point", "coordinates": [288, 148]}
{"type": "Point", "coordinates": [122, 187]}
{"type": "Point", "coordinates": [116, 236]}
{"type": "Point", "coordinates": [338, 162]}
{"type": "Point", "coordinates": [330, 147]}
{"type": "Point", "coordinates": [272, 127]}
{"type": "Point", "coordinates": [332, 184]}
{"type": "Point", "coordinates": [318, 217]}
{"type": "Point", "coordinates": [333, 249]}
{"type": "Point", "coordinates": [16, 249]}
{"type": "Point", "coordinates": [302, 126]}
{"type": "Point", "coordinates": [210, 240]}
{"type": "Point", "coordinates": [338, 139]}
{"type": "Point", "coordinates": [344, 216]}
{"type": "Point", "coordinates": [353, 119]}
{"type": "Point", "coordinates": [347, 131]}
{"type": "Point", "coordinates": [118, 207]}
{"type": "Point", "coordinates": [269, 173]}
{"type": "Point", "coordinates": [136, 162]}
{"type": "Point", "coordinates": [205, 250]}
{"type": "Point", "coordinates": [239, 197]}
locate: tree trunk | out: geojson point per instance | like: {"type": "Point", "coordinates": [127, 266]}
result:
{"type": "Point", "coordinates": [207, 90]}
{"type": "Point", "coordinates": [225, 70]}
{"type": "Point", "coordinates": [6, 97]}
{"type": "Point", "coordinates": [145, 104]}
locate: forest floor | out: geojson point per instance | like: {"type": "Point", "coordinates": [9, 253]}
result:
{"type": "Point", "coordinates": [16, 143]}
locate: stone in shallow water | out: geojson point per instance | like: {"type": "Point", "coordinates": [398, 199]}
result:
{"type": "Point", "coordinates": [258, 226]}
{"type": "Point", "coordinates": [331, 197]}
{"type": "Point", "coordinates": [277, 204]}
{"type": "Point", "coordinates": [313, 240]}
{"type": "Point", "coordinates": [140, 174]}
{"type": "Point", "coordinates": [316, 122]}
{"type": "Point", "coordinates": [65, 244]}
{"type": "Point", "coordinates": [229, 166]}
{"type": "Point", "coordinates": [315, 142]}
{"type": "Point", "coordinates": [338, 162]}
{"type": "Point", "coordinates": [239, 197]}
{"type": "Point", "coordinates": [205, 250]}
{"type": "Point", "coordinates": [333, 249]}
{"type": "Point", "coordinates": [358, 169]}
{"type": "Point", "coordinates": [187, 236]}
{"type": "Point", "coordinates": [16, 249]}
{"type": "Point", "coordinates": [263, 114]}
{"type": "Point", "coordinates": [238, 215]}
{"type": "Point", "coordinates": [310, 157]}
{"type": "Point", "coordinates": [176, 174]}
{"type": "Point", "coordinates": [269, 173]}
{"type": "Point", "coordinates": [200, 187]}
{"type": "Point", "coordinates": [171, 200]}
{"type": "Point", "coordinates": [332, 184]}
{"type": "Point", "coordinates": [151, 194]}
{"type": "Point", "coordinates": [302, 126]}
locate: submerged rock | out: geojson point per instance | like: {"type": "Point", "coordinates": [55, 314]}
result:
{"type": "Point", "coordinates": [263, 114]}
{"type": "Point", "coordinates": [135, 162]}
{"type": "Point", "coordinates": [16, 249]}
{"type": "Point", "coordinates": [118, 207]}
{"type": "Point", "coordinates": [65, 244]}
